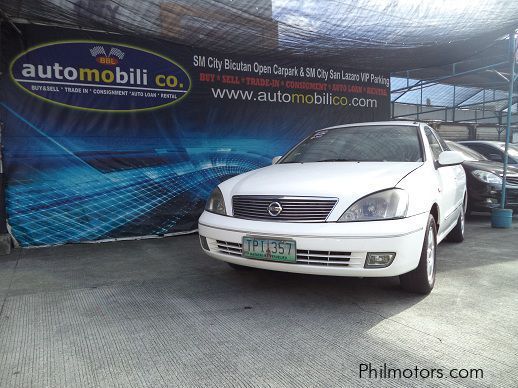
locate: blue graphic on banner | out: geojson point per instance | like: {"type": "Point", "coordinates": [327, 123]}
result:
{"type": "Point", "coordinates": [74, 197]}
{"type": "Point", "coordinates": [115, 169]}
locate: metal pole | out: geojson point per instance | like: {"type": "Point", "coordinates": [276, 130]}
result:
{"type": "Point", "coordinates": [484, 104]}
{"type": "Point", "coordinates": [3, 212]}
{"type": "Point", "coordinates": [454, 106]}
{"type": "Point", "coordinates": [512, 55]}
{"type": "Point", "coordinates": [447, 77]}
{"type": "Point", "coordinates": [421, 106]}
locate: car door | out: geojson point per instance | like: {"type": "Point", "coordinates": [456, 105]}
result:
{"type": "Point", "coordinates": [460, 174]}
{"type": "Point", "coordinates": [448, 185]}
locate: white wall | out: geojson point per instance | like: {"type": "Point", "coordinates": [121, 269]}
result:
{"type": "Point", "coordinates": [486, 129]}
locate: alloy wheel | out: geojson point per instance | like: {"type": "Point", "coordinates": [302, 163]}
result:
{"type": "Point", "coordinates": [430, 255]}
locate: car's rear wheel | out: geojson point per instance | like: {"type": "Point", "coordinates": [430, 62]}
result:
{"type": "Point", "coordinates": [422, 279]}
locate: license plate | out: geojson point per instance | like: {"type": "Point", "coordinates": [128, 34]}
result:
{"type": "Point", "coordinates": [269, 249]}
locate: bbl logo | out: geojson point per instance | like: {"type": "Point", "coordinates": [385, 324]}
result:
{"type": "Point", "coordinates": [100, 76]}
{"type": "Point", "coordinates": [111, 59]}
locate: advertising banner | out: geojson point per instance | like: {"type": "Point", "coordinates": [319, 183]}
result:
{"type": "Point", "coordinates": [109, 136]}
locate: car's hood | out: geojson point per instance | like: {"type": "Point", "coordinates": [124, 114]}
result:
{"type": "Point", "coordinates": [488, 165]}
{"type": "Point", "coordinates": [344, 180]}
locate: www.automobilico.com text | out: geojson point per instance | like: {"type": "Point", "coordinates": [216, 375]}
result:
{"type": "Point", "coordinates": [273, 83]}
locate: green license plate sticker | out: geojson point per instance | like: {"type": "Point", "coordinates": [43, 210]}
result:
{"type": "Point", "coordinates": [269, 249]}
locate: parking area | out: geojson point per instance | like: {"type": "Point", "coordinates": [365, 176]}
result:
{"type": "Point", "coordinates": [160, 313]}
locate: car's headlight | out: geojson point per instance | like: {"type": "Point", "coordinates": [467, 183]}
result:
{"type": "Point", "coordinates": [216, 203]}
{"type": "Point", "coordinates": [383, 205]}
{"type": "Point", "coordinates": [487, 177]}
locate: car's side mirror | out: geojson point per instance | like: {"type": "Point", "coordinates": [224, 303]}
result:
{"type": "Point", "coordinates": [495, 157]}
{"type": "Point", "coordinates": [450, 158]}
{"type": "Point", "coordinates": [276, 159]}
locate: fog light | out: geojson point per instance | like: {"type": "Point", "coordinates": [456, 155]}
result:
{"type": "Point", "coordinates": [379, 259]}
{"type": "Point", "coordinates": [204, 244]}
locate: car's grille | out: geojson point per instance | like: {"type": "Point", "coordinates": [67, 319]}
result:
{"type": "Point", "coordinates": [294, 209]}
{"type": "Point", "coordinates": [229, 248]}
{"type": "Point", "coordinates": [512, 180]}
{"type": "Point", "coordinates": [304, 256]}
{"type": "Point", "coordinates": [512, 197]}
{"type": "Point", "coordinates": [327, 258]}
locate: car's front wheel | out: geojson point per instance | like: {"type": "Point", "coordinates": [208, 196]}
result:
{"type": "Point", "coordinates": [422, 279]}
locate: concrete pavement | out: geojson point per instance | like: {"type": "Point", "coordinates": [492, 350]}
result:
{"type": "Point", "coordinates": [159, 313]}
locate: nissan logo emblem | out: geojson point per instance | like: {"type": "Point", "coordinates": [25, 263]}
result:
{"type": "Point", "coordinates": [274, 209]}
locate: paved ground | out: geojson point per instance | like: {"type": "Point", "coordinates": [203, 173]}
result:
{"type": "Point", "coordinates": [159, 313]}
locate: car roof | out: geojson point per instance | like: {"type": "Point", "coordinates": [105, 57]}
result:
{"type": "Point", "coordinates": [372, 123]}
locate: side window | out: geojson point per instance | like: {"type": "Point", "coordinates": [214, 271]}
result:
{"type": "Point", "coordinates": [441, 141]}
{"type": "Point", "coordinates": [478, 148]}
{"type": "Point", "coordinates": [435, 146]}
{"type": "Point", "coordinates": [493, 153]}
{"type": "Point", "coordinates": [484, 149]}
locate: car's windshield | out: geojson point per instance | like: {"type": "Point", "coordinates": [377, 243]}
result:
{"type": "Point", "coordinates": [513, 150]}
{"type": "Point", "coordinates": [467, 153]}
{"type": "Point", "coordinates": [375, 143]}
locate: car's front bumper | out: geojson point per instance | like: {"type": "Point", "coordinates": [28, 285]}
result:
{"type": "Point", "coordinates": [354, 240]}
{"type": "Point", "coordinates": [483, 198]}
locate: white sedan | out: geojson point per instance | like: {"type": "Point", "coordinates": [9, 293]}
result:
{"type": "Point", "coordinates": [366, 200]}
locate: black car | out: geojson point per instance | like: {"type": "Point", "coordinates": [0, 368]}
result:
{"type": "Point", "coordinates": [493, 150]}
{"type": "Point", "coordinates": [484, 180]}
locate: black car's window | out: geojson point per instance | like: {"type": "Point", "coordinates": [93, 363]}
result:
{"type": "Point", "coordinates": [497, 149]}
{"type": "Point", "coordinates": [435, 146]}
{"type": "Point", "coordinates": [384, 143]}
{"type": "Point", "coordinates": [482, 148]}
{"type": "Point", "coordinates": [512, 152]}
{"type": "Point", "coordinates": [467, 153]}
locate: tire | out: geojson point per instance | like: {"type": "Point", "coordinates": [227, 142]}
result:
{"type": "Point", "coordinates": [457, 234]}
{"type": "Point", "coordinates": [469, 213]}
{"type": "Point", "coordinates": [238, 267]}
{"type": "Point", "coordinates": [422, 279]}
